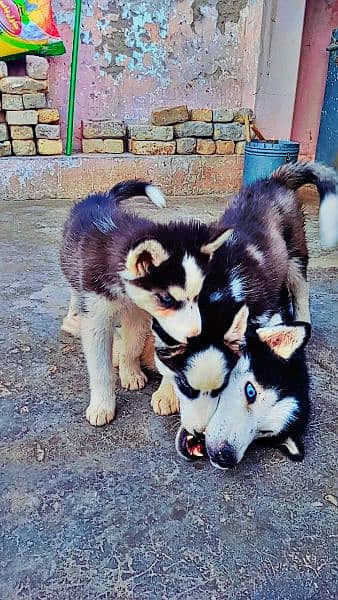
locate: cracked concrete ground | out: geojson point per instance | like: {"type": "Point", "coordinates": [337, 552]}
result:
{"type": "Point", "coordinates": [114, 512]}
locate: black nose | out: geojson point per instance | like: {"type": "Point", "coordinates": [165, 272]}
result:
{"type": "Point", "coordinates": [224, 456]}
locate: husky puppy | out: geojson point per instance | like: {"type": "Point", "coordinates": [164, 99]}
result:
{"type": "Point", "coordinates": [267, 396]}
{"type": "Point", "coordinates": [119, 264]}
{"type": "Point", "coordinates": [264, 258]}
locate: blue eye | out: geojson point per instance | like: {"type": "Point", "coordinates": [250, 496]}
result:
{"type": "Point", "coordinates": [250, 393]}
{"type": "Point", "coordinates": [166, 300]}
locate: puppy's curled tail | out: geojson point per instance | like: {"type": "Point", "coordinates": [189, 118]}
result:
{"type": "Point", "coordinates": [135, 187]}
{"type": "Point", "coordinates": [294, 175]}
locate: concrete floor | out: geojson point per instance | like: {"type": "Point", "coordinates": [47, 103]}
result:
{"type": "Point", "coordinates": [114, 512]}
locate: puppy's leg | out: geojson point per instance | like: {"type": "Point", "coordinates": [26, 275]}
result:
{"type": "Point", "coordinates": [164, 400]}
{"type": "Point", "coordinates": [135, 324]}
{"type": "Point", "coordinates": [97, 331]}
{"type": "Point", "coordinates": [71, 322]}
{"type": "Point", "coordinates": [299, 290]}
{"type": "Point", "coordinates": [147, 358]}
{"type": "Point", "coordinates": [117, 349]}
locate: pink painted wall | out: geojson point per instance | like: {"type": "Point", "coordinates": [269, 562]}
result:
{"type": "Point", "coordinates": [139, 54]}
{"type": "Point", "coordinates": [278, 66]}
{"type": "Point", "coordinates": [321, 17]}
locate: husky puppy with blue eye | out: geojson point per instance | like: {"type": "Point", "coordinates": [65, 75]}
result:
{"type": "Point", "coordinates": [262, 261]}
{"type": "Point", "coordinates": [267, 396]}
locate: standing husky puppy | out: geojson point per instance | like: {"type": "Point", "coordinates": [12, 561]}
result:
{"type": "Point", "coordinates": [265, 255]}
{"type": "Point", "coordinates": [119, 263]}
{"type": "Point", "coordinates": [266, 397]}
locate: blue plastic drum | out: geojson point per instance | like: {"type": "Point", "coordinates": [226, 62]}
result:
{"type": "Point", "coordinates": [262, 158]}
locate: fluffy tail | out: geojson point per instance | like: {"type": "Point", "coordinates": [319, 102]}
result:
{"type": "Point", "coordinates": [294, 175]}
{"type": "Point", "coordinates": [135, 187]}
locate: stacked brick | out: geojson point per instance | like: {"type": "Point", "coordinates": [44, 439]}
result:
{"type": "Point", "coordinates": [103, 137]}
{"type": "Point", "coordinates": [171, 131]}
{"type": "Point", "coordinates": [198, 131]}
{"type": "Point", "coordinates": [27, 126]}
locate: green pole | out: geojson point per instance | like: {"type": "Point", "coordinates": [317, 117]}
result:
{"type": "Point", "coordinates": [73, 75]}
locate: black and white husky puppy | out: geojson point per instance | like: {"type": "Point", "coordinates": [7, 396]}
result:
{"type": "Point", "coordinates": [263, 259]}
{"type": "Point", "coordinates": [266, 396]}
{"type": "Point", "coordinates": [117, 263]}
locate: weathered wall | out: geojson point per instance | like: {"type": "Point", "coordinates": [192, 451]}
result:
{"type": "Point", "coordinates": [138, 54]}
{"type": "Point", "coordinates": [321, 17]}
{"type": "Point", "coordinates": [278, 66]}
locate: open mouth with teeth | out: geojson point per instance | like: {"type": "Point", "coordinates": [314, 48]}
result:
{"type": "Point", "coordinates": [191, 447]}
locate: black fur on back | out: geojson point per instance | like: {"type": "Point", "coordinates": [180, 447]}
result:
{"type": "Point", "coordinates": [97, 237]}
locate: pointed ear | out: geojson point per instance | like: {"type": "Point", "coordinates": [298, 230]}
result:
{"type": "Point", "coordinates": [293, 448]}
{"type": "Point", "coordinates": [144, 256]}
{"type": "Point", "coordinates": [234, 337]}
{"type": "Point", "coordinates": [216, 242]}
{"type": "Point", "coordinates": [284, 340]}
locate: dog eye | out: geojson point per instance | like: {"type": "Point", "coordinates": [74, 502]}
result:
{"type": "Point", "coordinates": [186, 389]}
{"type": "Point", "coordinates": [250, 393]}
{"type": "Point", "coordinates": [166, 300]}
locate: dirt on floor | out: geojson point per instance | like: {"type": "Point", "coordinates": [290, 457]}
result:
{"type": "Point", "coordinates": [114, 512]}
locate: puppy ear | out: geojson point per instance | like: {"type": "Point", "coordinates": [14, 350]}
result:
{"type": "Point", "coordinates": [293, 448]}
{"type": "Point", "coordinates": [144, 256]}
{"type": "Point", "coordinates": [234, 337]}
{"type": "Point", "coordinates": [216, 241]}
{"type": "Point", "coordinates": [284, 340]}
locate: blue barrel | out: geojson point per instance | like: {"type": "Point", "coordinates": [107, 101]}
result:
{"type": "Point", "coordinates": [262, 158]}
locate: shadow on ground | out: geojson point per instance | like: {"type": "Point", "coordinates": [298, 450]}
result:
{"type": "Point", "coordinates": [114, 512]}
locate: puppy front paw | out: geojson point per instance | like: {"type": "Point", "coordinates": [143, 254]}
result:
{"type": "Point", "coordinates": [164, 400]}
{"type": "Point", "coordinates": [98, 415]}
{"type": "Point", "coordinates": [132, 378]}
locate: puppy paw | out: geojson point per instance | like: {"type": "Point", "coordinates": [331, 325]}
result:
{"type": "Point", "coordinates": [71, 325]}
{"type": "Point", "coordinates": [98, 415]}
{"type": "Point", "coordinates": [164, 401]}
{"type": "Point", "coordinates": [132, 378]}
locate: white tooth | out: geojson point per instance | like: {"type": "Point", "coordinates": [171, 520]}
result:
{"type": "Point", "coordinates": [197, 453]}
{"type": "Point", "coordinates": [189, 437]}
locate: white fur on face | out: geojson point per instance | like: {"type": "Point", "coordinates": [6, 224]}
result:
{"type": "Point", "coordinates": [196, 414]}
{"type": "Point", "coordinates": [206, 373]}
{"type": "Point", "coordinates": [238, 423]}
{"type": "Point", "coordinates": [181, 323]}
{"type": "Point", "coordinates": [328, 221]}
{"type": "Point", "coordinates": [193, 281]}
{"type": "Point", "coordinates": [206, 370]}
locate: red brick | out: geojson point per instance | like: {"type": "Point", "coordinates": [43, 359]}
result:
{"type": "Point", "coordinates": [205, 146]}
{"type": "Point", "coordinates": [223, 147]}
{"type": "Point", "coordinates": [201, 114]}
{"type": "Point", "coordinates": [169, 116]}
{"type": "Point", "coordinates": [153, 148]}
